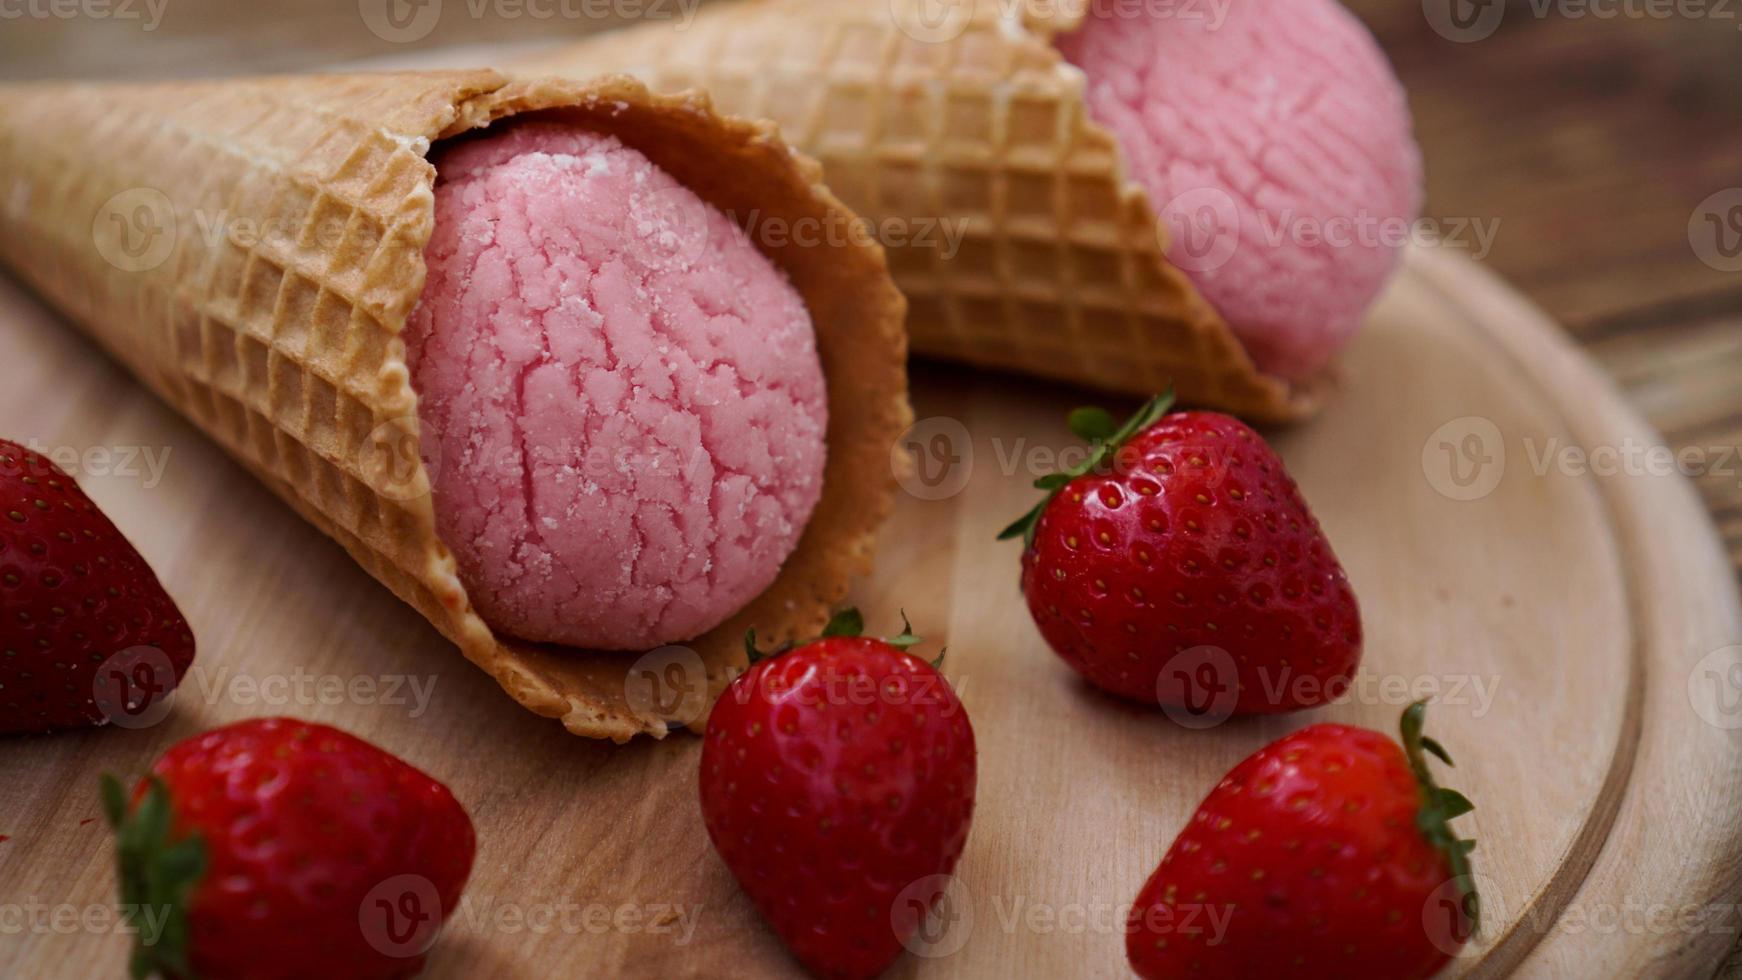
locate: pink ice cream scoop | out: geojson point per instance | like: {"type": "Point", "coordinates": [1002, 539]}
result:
{"type": "Point", "coordinates": [622, 406]}
{"type": "Point", "coordinates": [1276, 143]}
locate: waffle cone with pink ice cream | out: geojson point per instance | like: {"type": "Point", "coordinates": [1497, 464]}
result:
{"type": "Point", "coordinates": [511, 344]}
{"type": "Point", "coordinates": [1208, 196]}
{"type": "Point", "coordinates": [624, 393]}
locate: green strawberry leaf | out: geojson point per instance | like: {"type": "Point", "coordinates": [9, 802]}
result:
{"type": "Point", "coordinates": [906, 638]}
{"type": "Point", "coordinates": [157, 875]}
{"type": "Point", "coordinates": [1095, 426]}
{"type": "Point", "coordinates": [184, 860]}
{"type": "Point", "coordinates": [1092, 424]}
{"type": "Point", "coordinates": [1452, 803]}
{"type": "Point", "coordinates": [1148, 415]}
{"type": "Point", "coordinates": [1023, 527]}
{"type": "Point", "coordinates": [848, 622]}
{"type": "Point", "coordinates": [114, 800]}
{"type": "Point", "coordinates": [1439, 806]}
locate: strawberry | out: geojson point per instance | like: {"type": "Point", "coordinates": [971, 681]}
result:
{"type": "Point", "coordinates": [1325, 854]}
{"type": "Point", "coordinates": [1179, 564]}
{"type": "Point", "coordinates": [837, 783]}
{"type": "Point", "coordinates": [88, 635]}
{"type": "Point", "coordinates": [284, 849]}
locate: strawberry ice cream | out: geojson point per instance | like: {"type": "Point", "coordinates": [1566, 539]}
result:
{"type": "Point", "coordinates": [623, 410]}
{"type": "Point", "coordinates": [1276, 144]}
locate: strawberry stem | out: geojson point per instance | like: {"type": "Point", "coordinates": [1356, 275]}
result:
{"type": "Point", "coordinates": [1439, 807]}
{"type": "Point", "coordinates": [157, 874]}
{"type": "Point", "coordinates": [1094, 426]}
{"type": "Point", "coordinates": [752, 652]}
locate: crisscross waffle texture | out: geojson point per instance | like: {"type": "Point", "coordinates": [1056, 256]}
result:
{"type": "Point", "coordinates": [251, 250]}
{"type": "Point", "coordinates": [925, 113]}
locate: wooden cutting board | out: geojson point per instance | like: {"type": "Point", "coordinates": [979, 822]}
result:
{"type": "Point", "coordinates": [1575, 623]}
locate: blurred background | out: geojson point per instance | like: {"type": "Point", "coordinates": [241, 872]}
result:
{"type": "Point", "coordinates": [1600, 140]}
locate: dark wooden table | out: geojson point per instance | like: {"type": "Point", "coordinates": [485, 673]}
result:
{"type": "Point", "coordinates": [1606, 153]}
{"type": "Point", "coordinates": [1599, 145]}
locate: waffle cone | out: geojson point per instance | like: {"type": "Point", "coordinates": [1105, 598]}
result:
{"type": "Point", "coordinates": [294, 214]}
{"type": "Point", "coordinates": [923, 112]}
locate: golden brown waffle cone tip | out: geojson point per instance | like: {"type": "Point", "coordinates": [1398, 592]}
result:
{"type": "Point", "coordinates": [941, 118]}
{"type": "Point", "coordinates": [251, 249]}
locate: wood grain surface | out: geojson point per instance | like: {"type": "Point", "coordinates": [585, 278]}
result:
{"type": "Point", "coordinates": [1558, 615]}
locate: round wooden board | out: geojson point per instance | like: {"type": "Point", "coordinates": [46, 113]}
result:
{"type": "Point", "coordinates": [1573, 625]}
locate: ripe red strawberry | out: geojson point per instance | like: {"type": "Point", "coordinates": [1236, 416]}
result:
{"type": "Point", "coordinates": [287, 849]}
{"type": "Point", "coordinates": [1325, 854]}
{"type": "Point", "coordinates": [837, 782]}
{"type": "Point", "coordinates": [87, 635]}
{"type": "Point", "coordinates": [1179, 564]}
